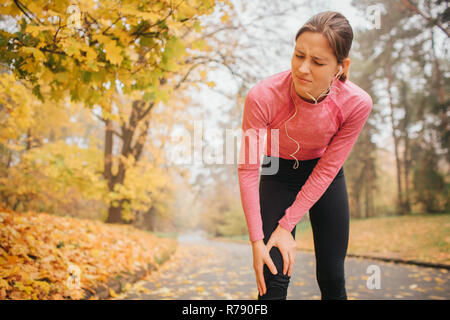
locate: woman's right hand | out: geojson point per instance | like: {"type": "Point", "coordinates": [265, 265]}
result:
{"type": "Point", "coordinates": [261, 256]}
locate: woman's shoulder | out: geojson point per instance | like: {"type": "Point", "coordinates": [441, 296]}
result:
{"type": "Point", "coordinates": [355, 91]}
{"type": "Point", "coordinates": [270, 87]}
{"type": "Point", "coordinates": [353, 96]}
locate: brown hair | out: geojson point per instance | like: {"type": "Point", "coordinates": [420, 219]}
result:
{"type": "Point", "coordinates": [336, 28]}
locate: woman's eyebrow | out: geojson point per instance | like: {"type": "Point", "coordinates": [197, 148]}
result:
{"type": "Point", "coordinates": [318, 58]}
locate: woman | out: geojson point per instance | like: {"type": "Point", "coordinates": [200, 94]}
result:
{"type": "Point", "coordinates": [313, 115]}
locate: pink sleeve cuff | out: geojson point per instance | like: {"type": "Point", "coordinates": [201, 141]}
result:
{"type": "Point", "coordinates": [288, 224]}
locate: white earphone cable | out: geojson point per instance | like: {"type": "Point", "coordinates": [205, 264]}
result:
{"type": "Point", "coordinates": [285, 128]}
{"type": "Point", "coordinates": [315, 102]}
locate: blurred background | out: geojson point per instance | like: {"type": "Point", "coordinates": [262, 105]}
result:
{"type": "Point", "coordinates": [100, 102]}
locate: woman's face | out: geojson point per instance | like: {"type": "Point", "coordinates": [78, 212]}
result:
{"type": "Point", "coordinates": [314, 61]}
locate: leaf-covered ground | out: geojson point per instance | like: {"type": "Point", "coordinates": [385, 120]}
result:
{"type": "Point", "coordinates": [44, 256]}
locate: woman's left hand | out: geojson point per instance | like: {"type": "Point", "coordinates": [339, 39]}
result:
{"type": "Point", "coordinates": [285, 242]}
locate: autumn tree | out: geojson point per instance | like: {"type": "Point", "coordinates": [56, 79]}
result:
{"type": "Point", "coordinates": [94, 53]}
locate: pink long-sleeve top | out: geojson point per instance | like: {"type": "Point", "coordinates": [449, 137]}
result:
{"type": "Point", "coordinates": [328, 130]}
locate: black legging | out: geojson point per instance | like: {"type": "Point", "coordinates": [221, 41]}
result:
{"type": "Point", "coordinates": [329, 220]}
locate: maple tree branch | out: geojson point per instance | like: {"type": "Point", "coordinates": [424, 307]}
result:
{"type": "Point", "coordinates": [120, 17]}
{"type": "Point", "coordinates": [104, 120]}
{"type": "Point", "coordinates": [19, 5]}
{"type": "Point", "coordinates": [144, 114]}
{"type": "Point", "coordinates": [56, 34]}
{"type": "Point", "coordinates": [183, 79]}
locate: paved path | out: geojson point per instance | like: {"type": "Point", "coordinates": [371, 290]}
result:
{"type": "Point", "coordinates": [203, 269]}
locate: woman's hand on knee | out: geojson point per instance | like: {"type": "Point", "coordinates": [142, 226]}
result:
{"type": "Point", "coordinates": [261, 256]}
{"type": "Point", "coordinates": [285, 242]}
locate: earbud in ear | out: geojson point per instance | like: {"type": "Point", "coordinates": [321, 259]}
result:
{"type": "Point", "coordinates": [340, 70]}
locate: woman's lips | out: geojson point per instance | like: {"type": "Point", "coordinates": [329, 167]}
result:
{"type": "Point", "coordinates": [302, 80]}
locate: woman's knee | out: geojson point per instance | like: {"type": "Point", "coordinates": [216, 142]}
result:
{"type": "Point", "coordinates": [276, 285]}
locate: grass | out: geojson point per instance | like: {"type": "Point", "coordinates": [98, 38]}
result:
{"type": "Point", "coordinates": [170, 235]}
{"type": "Point", "coordinates": [417, 237]}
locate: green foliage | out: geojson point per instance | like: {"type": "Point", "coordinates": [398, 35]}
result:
{"type": "Point", "coordinates": [430, 188]}
{"type": "Point", "coordinates": [234, 223]}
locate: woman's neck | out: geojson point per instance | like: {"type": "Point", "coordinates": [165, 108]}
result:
{"type": "Point", "coordinates": [312, 101]}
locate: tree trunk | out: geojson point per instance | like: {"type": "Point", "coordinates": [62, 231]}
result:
{"type": "Point", "coordinates": [29, 138]}
{"type": "Point", "coordinates": [400, 206]}
{"type": "Point", "coordinates": [406, 152]}
{"type": "Point", "coordinates": [440, 91]}
{"type": "Point", "coordinates": [406, 165]}
{"type": "Point", "coordinates": [128, 131]}
{"type": "Point", "coordinates": [114, 213]}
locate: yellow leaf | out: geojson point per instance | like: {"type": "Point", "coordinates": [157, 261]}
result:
{"type": "Point", "coordinates": [4, 284]}
{"type": "Point", "coordinates": [34, 30]}
{"type": "Point", "coordinates": [44, 286]}
{"type": "Point", "coordinates": [101, 38]}
{"type": "Point", "coordinates": [203, 74]}
{"type": "Point", "coordinates": [113, 53]}
{"type": "Point", "coordinates": [62, 77]}
{"type": "Point", "coordinates": [27, 289]}
{"type": "Point", "coordinates": [127, 287]}
{"type": "Point", "coordinates": [200, 289]}
{"type": "Point", "coordinates": [37, 54]}
{"type": "Point", "coordinates": [197, 27]}
{"type": "Point", "coordinates": [185, 10]}
{"type": "Point", "coordinates": [71, 47]}
{"type": "Point", "coordinates": [225, 18]}
{"type": "Point", "coordinates": [113, 293]}
{"type": "Point", "coordinates": [199, 44]}
{"type": "Point", "coordinates": [90, 53]}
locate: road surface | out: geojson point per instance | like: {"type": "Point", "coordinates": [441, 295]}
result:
{"type": "Point", "coordinates": [203, 269]}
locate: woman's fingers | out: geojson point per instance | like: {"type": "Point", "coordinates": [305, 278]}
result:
{"type": "Point", "coordinates": [263, 287]}
{"type": "Point", "coordinates": [270, 264]}
{"type": "Point", "coordinates": [285, 254]}
{"type": "Point", "coordinates": [258, 283]}
{"type": "Point", "coordinates": [260, 280]}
